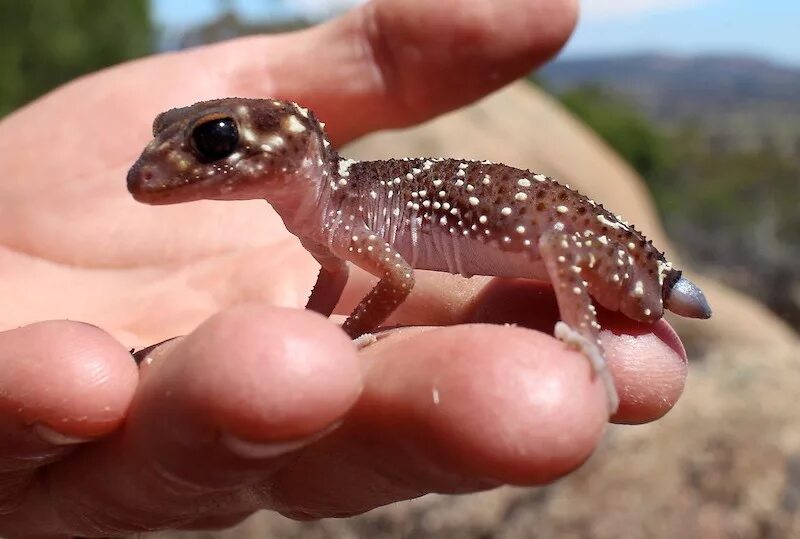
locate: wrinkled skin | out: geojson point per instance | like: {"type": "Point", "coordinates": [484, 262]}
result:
{"type": "Point", "coordinates": [261, 406]}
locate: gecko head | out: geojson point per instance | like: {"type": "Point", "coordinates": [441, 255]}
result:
{"type": "Point", "coordinates": [228, 149]}
{"type": "Point", "coordinates": [683, 297]}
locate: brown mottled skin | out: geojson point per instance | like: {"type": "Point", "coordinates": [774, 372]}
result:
{"type": "Point", "coordinates": [389, 217]}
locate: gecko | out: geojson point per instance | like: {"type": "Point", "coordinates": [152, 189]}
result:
{"type": "Point", "coordinates": [390, 217]}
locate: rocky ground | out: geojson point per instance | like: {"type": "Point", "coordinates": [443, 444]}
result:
{"type": "Point", "coordinates": [724, 463]}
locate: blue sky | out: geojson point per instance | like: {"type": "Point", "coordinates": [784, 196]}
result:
{"type": "Point", "coordinates": [769, 28]}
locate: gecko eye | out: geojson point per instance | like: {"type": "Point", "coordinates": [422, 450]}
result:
{"type": "Point", "coordinates": [215, 139]}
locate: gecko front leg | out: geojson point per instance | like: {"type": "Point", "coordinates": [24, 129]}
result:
{"type": "Point", "coordinates": [373, 254]}
{"type": "Point", "coordinates": [565, 258]}
{"type": "Point", "coordinates": [330, 282]}
{"type": "Point", "coordinates": [329, 286]}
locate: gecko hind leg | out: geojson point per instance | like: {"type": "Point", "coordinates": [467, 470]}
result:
{"type": "Point", "coordinates": [565, 258]}
{"type": "Point", "coordinates": [594, 354]}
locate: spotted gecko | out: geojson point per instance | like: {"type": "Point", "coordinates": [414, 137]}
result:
{"type": "Point", "coordinates": [391, 217]}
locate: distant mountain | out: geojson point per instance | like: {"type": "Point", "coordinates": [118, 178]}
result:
{"type": "Point", "coordinates": [744, 100]}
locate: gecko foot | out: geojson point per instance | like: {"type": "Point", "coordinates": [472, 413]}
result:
{"type": "Point", "coordinates": [592, 352]}
{"type": "Point", "coordinates": [365, 340]}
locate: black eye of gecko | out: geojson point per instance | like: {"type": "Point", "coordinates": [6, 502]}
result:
{"type": "Point", "coordinates": [215, 139]}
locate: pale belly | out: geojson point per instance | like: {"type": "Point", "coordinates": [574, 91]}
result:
{"type": "Point", "coordinates": [438, 250]}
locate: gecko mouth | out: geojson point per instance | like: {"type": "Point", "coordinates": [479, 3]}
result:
{"type": "Point", "coordinates": [145, 186]}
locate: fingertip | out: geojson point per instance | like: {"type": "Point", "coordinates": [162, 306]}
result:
{"type": "Point", "coordinates": [568, 12]}
{"type": "Point", "coordinates": [70, 378]}
{"type": "Point", "coordinates": [264, 374]}
{"type": "Point", "coordinates": [505, 404]}
{"type": "Point", "coordinates": [545, 415]}
{"type": "Point", "coordinates": [555, 23]}
{"type": "Point", "coordinates": [650, 368]}
{"type": "Point", "coordinates": [475, 46]}
{"type": "Point", "coordinates": [665, 332]}
{"type": "Point", "coordinates": [405, 56]}
{"type": "Point", "coordinates": [648, 361]}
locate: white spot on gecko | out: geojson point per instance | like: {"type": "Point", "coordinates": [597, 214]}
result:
{"type": "Point", "coordinates": [344, 167]}
{"type": "Point", "coordinates": [613, 224]}
{"type": "Point", "coordinates": [292, 124]}
{"type": "Point", "coordinates": [638, 289]}
{"type": "Point", "coordinates": [303, 111]}
{"type": "Point", "coordinates": [271, 142]}
{"type": "Point", "coordinates": [248, 134]}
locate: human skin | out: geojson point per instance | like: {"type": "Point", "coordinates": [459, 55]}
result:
{"type": "Point", "coordinates": [263, 405]}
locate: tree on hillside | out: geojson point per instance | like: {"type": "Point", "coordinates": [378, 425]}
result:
{"type": "Point", "coordinates": [45, 43]}
{"type": "Point", "coordinates": [643, 146]}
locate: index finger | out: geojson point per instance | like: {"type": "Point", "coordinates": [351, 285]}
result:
{"type": "Point", "coordinates": [393, 63]}
{"type": "Point", "coordinates": [388, 63]}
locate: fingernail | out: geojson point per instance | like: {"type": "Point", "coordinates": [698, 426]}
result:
{"type": "Point", "coordinates": [56, 438]}
{"type": "Point", "coordinates": [143, 355]}
{"type": "Point", "coordinates": [262, 450]}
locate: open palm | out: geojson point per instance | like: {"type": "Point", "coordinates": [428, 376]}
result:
{"type": "Point", "coordinates": [263, 405]}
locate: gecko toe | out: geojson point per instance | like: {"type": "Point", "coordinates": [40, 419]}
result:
{"type": "Point", "coordinates": [593, 353]}
{"type": "Point", "coordinates": [365, 340]}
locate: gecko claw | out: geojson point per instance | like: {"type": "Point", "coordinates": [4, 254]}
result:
{"type": "Point", "coordinates": [686, 299]}
{"type": "Point", "coordinates": [365, 340]}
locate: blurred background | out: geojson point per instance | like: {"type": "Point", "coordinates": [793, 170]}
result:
{"type": "Point", "coordinates": [700, 97]}
{"type": "Point", "coordinates": [701, 101]}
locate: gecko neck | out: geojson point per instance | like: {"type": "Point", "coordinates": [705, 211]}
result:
{"type": "Point", "coordinates": [311, 188]}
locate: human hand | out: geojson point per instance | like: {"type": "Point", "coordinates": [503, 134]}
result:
{"type": "Point", "coordinates": [261, 406]}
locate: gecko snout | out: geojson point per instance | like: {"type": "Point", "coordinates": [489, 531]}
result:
{"type": "Point", "coordinates": [686, 299]}
{"type": "Point", "coordinates": [139, 177]}
{"type": "Point", "coordinates": [145, 183]}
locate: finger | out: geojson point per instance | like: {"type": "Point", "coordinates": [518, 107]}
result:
{"type": "Point", "coordinates": [647, 360]}
{"type": "Point", "coordinates": [456, 410]}
{"type": "Point", "coordinates": [388, 63]}
{"type": "Point", "coordinates": [218, 411]}
{"type": "Point", "coordinates": [649, 365]}
{"type": "Point", "coordinates": [61, 384]}
{"type": "Point", "coordinates": [392, 63]}
{"type": "Point", "coordinates": [450, 410]}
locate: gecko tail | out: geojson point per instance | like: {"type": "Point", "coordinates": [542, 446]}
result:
{"type": "Point", "coordinates": [686, 299]}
